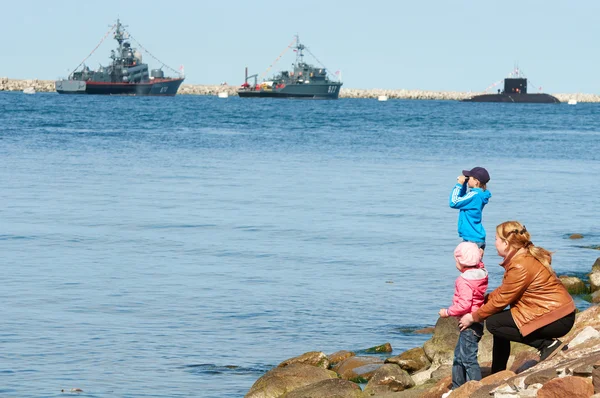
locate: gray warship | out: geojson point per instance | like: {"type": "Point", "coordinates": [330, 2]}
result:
{"type": "Point", "coordinates": [304, 81]}
{"type": "Point", "coordinates": [126, 74]}
{"type": "Point", "coordinates": [515, 91]}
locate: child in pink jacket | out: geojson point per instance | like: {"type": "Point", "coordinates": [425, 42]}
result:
{"type": "Point", "coordinates": [469, 290]}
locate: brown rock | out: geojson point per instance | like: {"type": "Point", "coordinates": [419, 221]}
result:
{"type": "Point", "coordinates": [411, 360]}
{"type": "Point", "coordinates": [339, 356]}
{"type": "Point", "coordinates": [596, 378]}
{"type": "Point", "coordinates": [576, 236]}
{"type": "Point", "coordinates": [498, 377]}
{"type": "Point", "coordinates": [387, 347]}
{"type": "Point", "coordinates": [331, 388]}
{"type": "Point", "coordinates": [569, 386]}
{"type": "Point", "coordinates": [279, 381]}
{"type": "Point", "coordinates": [358, 368]}
{"type": "Point", "coordinates": [441, 387]}
{"type": "Point", "coordinates": [467, 389]}
{"type": "Point", "coordinates": [314, 358]}
{"type": "Point", "coordinates": [388, 378]}
{"type": "Point", "coordinates": [596, 297]}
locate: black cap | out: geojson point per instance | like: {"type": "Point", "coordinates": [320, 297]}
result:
{"type": "Point", "coordinates": [478, 172]}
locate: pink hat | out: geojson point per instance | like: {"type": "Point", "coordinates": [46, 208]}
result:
{"type": "Point", "coordinates": [467, 254]}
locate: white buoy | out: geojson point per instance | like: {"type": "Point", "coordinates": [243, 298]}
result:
{"type": "Point", "coordinates": [572, 102]}
{"type": "Point", "coordinates": [382, 98]}
{"type": "Point", "coordinates": [223, 94]}
{"type": "Point", "coordinates": [29, 90]}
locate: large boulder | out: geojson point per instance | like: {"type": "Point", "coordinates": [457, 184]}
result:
{"type": "Point", "coordinates": [388, 378]}
{"type": "Point", "coordinates": [569, 386]}
{"type": "Point", "coordinates": [386, 347]}
{"type": "Point", "coordinates": [440, 348]}
{"type": "Point", "coordinates": [596, 266]}
{"type": "Point", "coordinates": [595, 281]}
{"type": "Point", "coordinates": [412, 360]}
{"type": "Point", "coordinates": [339, 356]}
{"type": "Point", "coordinates": [358, 369]}
{"type": "Point", "coordinates": [573, 284]}
{"type": "Point", "coordinates": [314, 358]}
{"type": "Point", "coordinates": [279, 381]}
{"type": "Point", "coordinates": [330, 388]}
{"type": "Point", "coordinates": [589, 317]}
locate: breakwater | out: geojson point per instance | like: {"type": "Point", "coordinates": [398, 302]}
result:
{"type": "Point", "coordinates": [7, 84]}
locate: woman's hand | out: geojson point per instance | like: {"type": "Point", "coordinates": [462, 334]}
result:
{"type": "Point", "coordinates": [465, 321]}
{"type": "Point", "coordinates": [443, 313]}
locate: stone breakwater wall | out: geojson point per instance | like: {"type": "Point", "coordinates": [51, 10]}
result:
{"type": "Point", "coordinates": [7, 84]}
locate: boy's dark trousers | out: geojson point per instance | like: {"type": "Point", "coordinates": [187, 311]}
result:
{"type": "Point", "coordinates": [465, 366]}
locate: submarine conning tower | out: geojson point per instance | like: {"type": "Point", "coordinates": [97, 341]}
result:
{"type": "Point", "coordinates": [517, 85]}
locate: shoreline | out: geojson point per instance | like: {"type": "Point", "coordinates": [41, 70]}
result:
{"type": "Point", "coordinates": [47, 86]}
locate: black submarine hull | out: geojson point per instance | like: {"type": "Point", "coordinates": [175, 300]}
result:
{"type": "Point", "coordinates": [515, 98]}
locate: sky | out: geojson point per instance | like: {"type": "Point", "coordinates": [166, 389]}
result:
{"type": "Point", "coordinates": [439, 45]}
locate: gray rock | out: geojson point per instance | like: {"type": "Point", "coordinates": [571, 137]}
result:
{"type": "Point", "coordinates": [440, 348]}
{"type": "Point", "coordinates": [573, 284]}
{"type": "Point", "coordinates": [595, 281]}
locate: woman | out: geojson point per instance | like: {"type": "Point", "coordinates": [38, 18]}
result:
{"type": "Point", "coordinates": [541, 309]}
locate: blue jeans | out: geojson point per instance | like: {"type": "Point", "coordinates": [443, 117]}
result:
{"type": "Point", "coordinates": [480, 245]}
{"type": "Point", "coordinates": [465, 366]}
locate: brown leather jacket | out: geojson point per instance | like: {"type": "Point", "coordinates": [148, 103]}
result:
{"type": "Point", "coordinates": [535, 295]}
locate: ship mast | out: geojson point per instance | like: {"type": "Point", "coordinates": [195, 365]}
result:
{"type": "Point", "coordinates": [299, 54]}
{"type": "Point", "coordinates": [120, 38]}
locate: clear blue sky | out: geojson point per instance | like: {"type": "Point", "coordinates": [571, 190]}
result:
{"type": "Point", "coordinates": [429, 45]}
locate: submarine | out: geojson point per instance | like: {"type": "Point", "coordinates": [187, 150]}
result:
{"type": "Point", "coordinates": [515, 91]}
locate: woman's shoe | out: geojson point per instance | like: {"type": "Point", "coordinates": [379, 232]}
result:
{"type": "Point", "coordinates": [552, 349]}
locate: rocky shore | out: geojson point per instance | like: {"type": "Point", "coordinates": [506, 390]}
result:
{"type": "Point", "coordinates": [7, 84]}
{"type": "Point", "coordinates": [425, 372]}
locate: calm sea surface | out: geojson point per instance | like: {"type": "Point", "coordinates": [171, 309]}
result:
{"type": "Point", "coordinates": [177, 247]}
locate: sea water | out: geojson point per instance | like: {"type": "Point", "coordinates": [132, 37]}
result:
{"type": "Point", "coordinates": [177, 247]}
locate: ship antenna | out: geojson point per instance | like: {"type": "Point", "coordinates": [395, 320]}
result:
{"type": "Point", "coordinates": [277, 59]}
{"type": "Point", "coordinates": [150, 54]}
{"type": "Point", "coordinates": [95, 48]}
{"type": "Point", "coordinates": [299, 48]}
{"type": "Point", "coordinates": [320, 63]}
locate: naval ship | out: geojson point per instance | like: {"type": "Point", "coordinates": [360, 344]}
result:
{"type": "Point", "coordinates": [304, 81]}
{"type": "Point", "coordinates": [515, 90]}
{"type": "Point", "coordinates": [126, 74]}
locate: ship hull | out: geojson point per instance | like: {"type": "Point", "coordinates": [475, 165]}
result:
{"type": "Point", "coordinates": [299, 91]}
{"type": "Point", "coordinates": [159, 87]}
{"type": "Point", "coordinates": [515, 98]}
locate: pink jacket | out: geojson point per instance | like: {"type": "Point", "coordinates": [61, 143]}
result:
{"type": "Point", "coordinates": [469, 290]}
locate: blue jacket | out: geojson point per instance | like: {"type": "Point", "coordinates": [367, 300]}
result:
{"type": "Point", "coordinates": [471, 204]}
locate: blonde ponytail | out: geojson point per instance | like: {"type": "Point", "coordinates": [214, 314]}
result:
{"type": "Point", "coordinates": [517, 237]}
